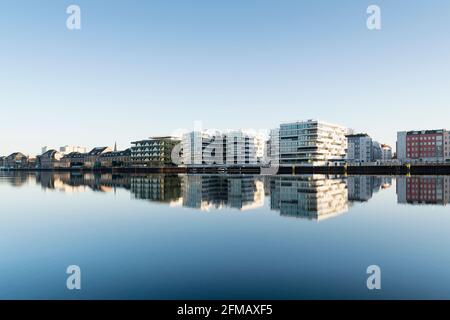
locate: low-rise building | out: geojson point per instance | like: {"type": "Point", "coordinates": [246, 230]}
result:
{"type": "Point", "coordinates": [73, 160]}
{"type": "Point", "coordinates": [91, 158]}
{"type": "Point", "coordinates": [115, 158]}
{"type": "Point", "coordinates": [153, 152]}
{"type": "Point", "coordinates": [50, 160]}
{"type": "Point", "coordinates": [16, 160]}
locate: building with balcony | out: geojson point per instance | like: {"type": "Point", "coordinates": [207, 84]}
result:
{"type": "Point", "coordinates": [312, 143]}
{"type": "Point", "coordinates": [234, 147]}
{"type": "Point", "coordinates": [153, 152]}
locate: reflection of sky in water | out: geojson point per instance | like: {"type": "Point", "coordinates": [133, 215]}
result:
{"type": "Point", "coordinates": [223, 237]}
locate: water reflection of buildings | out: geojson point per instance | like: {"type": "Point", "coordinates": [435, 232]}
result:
{"type": "Point", "coordinates": [423, 190]}
{"type": "Point", "coordinates": [160, 188]}
{"type": "Point", "coordinates": [314, 197]}
{"type": "Point", "coordinates": [207, 192]}
{"type": "Point", "coordinates": [362, 188]}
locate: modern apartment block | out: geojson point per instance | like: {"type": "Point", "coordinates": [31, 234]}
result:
{"type": "Point", "coordinates": [421, 146]}
{"type": "Point", "coordinates": [360, 148]}
{"type": "Point", "coordinates": [273, 147]}
{"type": "Point", "coordinates": [153, 152]}
{"type": "Point", "coordinates": [243, 148]}
{"type": "Point", "coordinates": [237, 147]}
{"type": "Point", "coordinates": [312, 142]}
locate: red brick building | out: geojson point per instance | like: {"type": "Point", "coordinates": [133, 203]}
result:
{"type": "Point", "coordinates": [425, 145]}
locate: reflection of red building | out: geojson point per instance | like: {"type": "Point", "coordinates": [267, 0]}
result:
{"type": "Point", "coordinates": [425, 190]}
{"type": "Point", "coordinates": [425, 144]}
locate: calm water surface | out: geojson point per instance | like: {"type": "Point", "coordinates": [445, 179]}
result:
{"type": "Point", "coordinates": [223, 237]}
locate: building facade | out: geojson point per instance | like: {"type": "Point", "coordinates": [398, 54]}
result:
{"type": "Point", "coordinates": [386, 152]}
{"type": "Point", "coordinates": [50, 160]}
{"type": "Point", "coordinates": [447, 146]}
{"type": "Point", "coordinates": [273, 147]}
{"type": "Point", "coordinates": [16, 160]}
{"type": "Point", "coordinates": [115, 159]}
{"type": "Point", "coordinates": [312, 142]}
{"type": "Point", "coordinates": [360, 148]}
{"type": "Point", "coordinates": [91, 159]}
{"type": "Point", "coordinates": [153, 152]}
{"type": "Point", "coordinates": [236, 147]}
{"type": "Point", "coordinates": [421, 146]}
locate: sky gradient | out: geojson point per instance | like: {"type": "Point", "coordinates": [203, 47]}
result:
{"type": "Point", "coordinates": [143, 68]}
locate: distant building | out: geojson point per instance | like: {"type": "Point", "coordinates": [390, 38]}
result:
{"type": "Point", "coordinates": [2, 160]}
{"type": "Point", "coordinates": [73, 160]}
{"type": "Point", "coordinates": [91, 159]}
{"type": "Point", "coordinates": [421, 146]}
{"type": "Point", "coordinates": [312, 142]}
{"type": "Point", "coordinates": [273, 147]}
{"type": "Point", "coordinates": [115, 159]}
{"type": "Point", "coordinates": [65, 150]}
{"type": "Point", "coordinates": [386, 152]}
{"type": "Point", "coordinates": [51, 159]}
{"type": "Point", "coordinates": [16, 160]}
{"type": "Point", "coordinates": [153, 152]}
{"type": "Point", "coordinates": [70, 149]}
{"type": "Point", "coordinates": [447, 146]}
{"type": "Point", "coordinates": [377, 153]}
{"type": "Point", "coordinates": [360, 148]}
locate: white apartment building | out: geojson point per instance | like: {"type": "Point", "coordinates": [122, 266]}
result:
{"type": "Point", "coordinates": [236, 147]}
{"type": "Point", "coordinates": [312, 142]}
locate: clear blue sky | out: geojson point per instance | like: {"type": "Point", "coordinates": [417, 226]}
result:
{"type": "Point", "coordinates": [142, 68]}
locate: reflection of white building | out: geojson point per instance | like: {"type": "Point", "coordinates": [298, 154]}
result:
{"type": "Point", "coordinates": [216, 192]}
{"type": "Point", "coordinates": [315, 197]}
